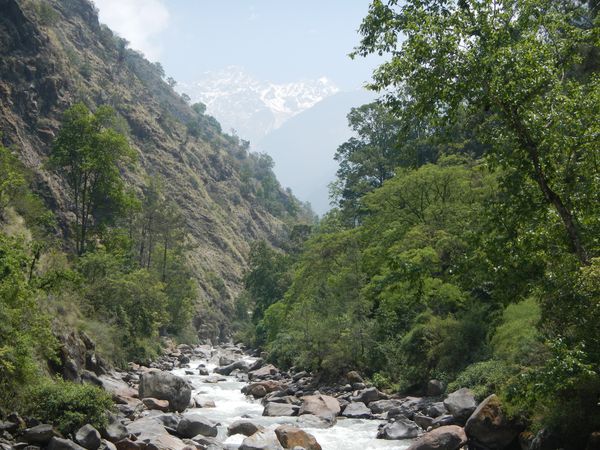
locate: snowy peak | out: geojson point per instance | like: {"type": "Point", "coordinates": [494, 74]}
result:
{"type": "Point", "coordinates": [254, 107]}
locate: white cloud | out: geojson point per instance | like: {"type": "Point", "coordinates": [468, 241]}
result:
{"type": "Point", "coordinates": [138, 21]}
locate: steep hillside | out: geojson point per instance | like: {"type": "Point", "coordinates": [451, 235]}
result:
{"type": "Point", "coordinates": [54, 53]}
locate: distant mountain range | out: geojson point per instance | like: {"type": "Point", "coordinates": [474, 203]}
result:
{"type": "Point", "coordinates": [300, 124]}
{"type": "Point", "coordinates": [254, 108]}
{"type": "Point", "coordinates": [304, 146]}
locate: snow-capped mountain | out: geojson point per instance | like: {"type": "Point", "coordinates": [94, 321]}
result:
{"type": "Point", "coordinates": [252, 107]}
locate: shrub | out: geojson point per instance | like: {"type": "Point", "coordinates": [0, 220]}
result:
{"type": "Point", "coordinates": [483, 378]}
{"type": "Point", "coordinates": [69, 406]}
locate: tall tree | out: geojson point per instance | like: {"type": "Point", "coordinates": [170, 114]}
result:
{"type": "Point", "coordinates": [514, 60]}
{"type": "Point", "coordinates": [88, 152]}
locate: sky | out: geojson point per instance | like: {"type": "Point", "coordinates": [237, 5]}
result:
{"type": "Point", "coordinates": [274, 40]}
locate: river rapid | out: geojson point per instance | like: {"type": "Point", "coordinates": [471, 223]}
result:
{"type": "Point", "coordinates": [232, 405]}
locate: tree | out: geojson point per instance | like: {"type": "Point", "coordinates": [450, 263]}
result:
{"type": "Point", "coordinates": [171, 82]}
{"type": "Point", "coordinates": [88, 153]}
{"type": "Point", "coordinates": [11, 178]}
{"type": "Point", "coordinates": [514, 60]}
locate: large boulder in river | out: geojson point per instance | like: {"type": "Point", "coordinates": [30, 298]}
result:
{"type": "Point", "coordinates": [357, 410]}
{"type": "Point", "coordinates": [367, 396]}
{"type": "Point", "coordinates": [323, 406]}
{"type": "Point", "coordinates": [293, 437]}
{"type": "Point", "coordinates": [461, 404]}
{"type": "Point", "coordinates": [262, 440]}
{"type": "Point", "coordinates": [489, 427]}
{"type": "Point", "coordinates": [451, 437]}
{"type": "Point", "coordinates": [193, 424]}
{"type": "Point", "coordinates": [383, 406]}
{"type": "Point", "coordinates": [264, 372]}
{"type": "Point", "coordinates": [244, 427]}
{"type": "Point", "coordinates": [166, 386]}
{"type": "Point", "coordinates": [273, 409]}
{"type": "Point", "coordinates": [240, 365]}
{"type": "Point", "coordinates": [401, 428]}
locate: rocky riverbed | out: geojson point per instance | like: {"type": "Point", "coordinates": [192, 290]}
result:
{"type": "Point", "coordinates": [225, 398]}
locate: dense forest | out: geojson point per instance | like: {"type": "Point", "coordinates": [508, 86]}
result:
{"type": "Point", "coordinates": [464, 242]}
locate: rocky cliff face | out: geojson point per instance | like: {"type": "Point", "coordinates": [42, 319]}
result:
{"type": "Point", "coordinates": [54, 53]}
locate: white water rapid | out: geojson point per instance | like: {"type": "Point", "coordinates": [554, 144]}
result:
{"type": "Point", "coordinates": [232, 405]}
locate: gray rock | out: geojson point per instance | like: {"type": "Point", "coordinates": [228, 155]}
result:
{"type": "Point", "coordinates": [244, 427]}
{"type": "Point", "coordinates": [436, 409]}
{"type": "Point", "coordinates": [193, 424]}
{"type": "Point", "coordinates": [107, 445]}
{"type": "Point", "coordinates": [262, 440]}
{"type": "Point", "coordinates": [423, 421]}
{"type": "Point", "coordinates": [264, 372]}
{"type": "Point", "coordinates": [312, 421]}
{"type": "Point", "coordinates": [63, 444]}
{"type": "Point", "coordinates": [115, 430]}
{"type": "Point", "coordinates": [274, 409]}
{"type": "Point", "coordinates": [357, 410]}
{"type": "Point", "coordinates": [40, 434]}
{"type": "Point", "coordinates": [401, 428]}
{"type": "Point", "coordinates": [435, 388]}
{"type": "Point", "coordinates": [238, 365]}
{"type": "Point", "coordinates": [323, 406]}
{"type": "Point", "coordinates": [367, 396]}
{"type": "Point", "coordinates": [444, 420]}
{"type": "Point", "coordinates": [461, 404]}
{"type": "Point", "coordinates": [166, 386]}
{"type": "Point", "coordinates": [87, 436]}
{"type": "Point", "coordinates": [383, 406]}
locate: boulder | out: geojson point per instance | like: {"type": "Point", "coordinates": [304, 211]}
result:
{"type": "Point", "coordinates": [489, 427]}
{"type": "Point", "coordinates": [225, 360]}
{"type": "Point", "coordinates": [367, 396]}
{"type": "Point", "coordinates": [151, 433]}
{"type": "Point", "coordinates": [444, 420]}
{"type": "Point", "coordinates": [238, 365]}
{"type": "Point", "coordinates": [435, 388]}
{"type": "Point", "coordinates": [63, 444]}
{"type": "Point", "coordinates": [312, 421]}
{"type": "Point", "coordinates": [166, 386]}
{"type": "Point", "coordinates": [436, 409]}
{"type": "Point", "coordinates": [204, 403]}
{"type": "Point", "coordinates": [383, 406]}
{"type": "Point", "coordinates": [193, 424]}
{"type": "Point", "coordinates": [115, 430]}
{"type": "Point", "coordinates": [40, 434]}
{"type": "Point", "coordinates": [263, 372]}
{"type": "Point", "coordinates": [244, 427]}
{"type": "Point", "coordinates": [275, 409]}
{"type": "Point", "coordinates": [354, 377]}
{"type": "Point", "coordinates": [451, 437]}
{"type": "Point", "coordinates": [154, 403]}
{"type": "Point", "coordinates": [107, 445]}
{"type": "Point", "coordinates": [88, 437]}
{"type": "Point", "coordinates": [423, 421]}
{"type": "Point", "coordinates": [357, 410]}
{"type": "Point", "coordinates": [323, 406]}
{"type": "Point", "coordinates": [401, 428]}
{"type": "Point", "coordinates": [291, 437]}
{"type": "Point", "coordinates": [461, 404]}
{"type": "Point", "coordinates": [262, 440]}
{"type": "Point", "coordinates": [128, 444]}
{"type": "Point", "coordinates": [258, 391]}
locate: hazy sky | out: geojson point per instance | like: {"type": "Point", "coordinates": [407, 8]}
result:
{"type": "Point", "coordinates": [276, 40]}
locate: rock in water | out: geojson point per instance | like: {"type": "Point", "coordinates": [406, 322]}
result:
{"type": "Point", "coordinates": [273, 409]}
{"type": "Point", "coordinates": [244, 427]}
{"type": "Point", "coordinates": [194, 424]}
{"type": "Point", "coordinates": [88, 437]}
{"type": "Point", "coordinates": [166, 386]}
{"type": "Point", "coordinates": [323, 406]}
{"type": "Point", "coordinates": [292, 437]}
{"type": "Point", "coordinates": [489, 427]}
{"type": "Point", "coordinates": [402, 428]}
{"type": "Point", "coordinates": [357, 410]}
{"type": "Point", "coordinates": [262, 440]}
{"type": "Point", "coordinates": [461, 404]}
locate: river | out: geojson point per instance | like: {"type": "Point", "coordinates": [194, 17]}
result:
{"type": "Point", "coordinates": [232, 405]}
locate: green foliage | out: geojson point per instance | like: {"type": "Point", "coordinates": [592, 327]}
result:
{"type": "Point", "coordinates": [25, 334]}
{"type": "Point", "coordinates": [88, 152]}
{"type": "Point", "coordinates": [483, 378]}
{"type": "Point", "coordinates": [69, 406]}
